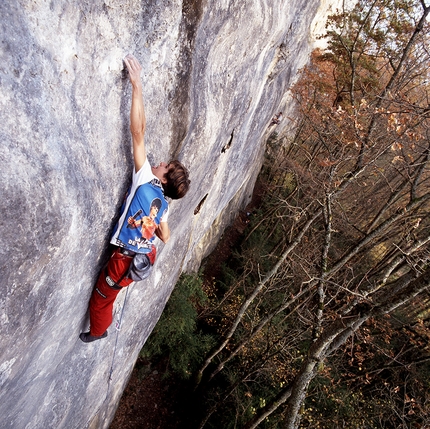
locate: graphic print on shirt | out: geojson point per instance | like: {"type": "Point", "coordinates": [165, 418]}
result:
{"type": "Point", "coordinates": [142, 218]}
{"type": "Point", "coordinates": [147, 223]}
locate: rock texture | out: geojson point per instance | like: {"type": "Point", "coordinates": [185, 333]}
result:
{"type": "Point", "coordinates": [214, 75]}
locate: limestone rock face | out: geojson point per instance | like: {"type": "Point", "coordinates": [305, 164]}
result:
{"type": "Point", "coordinates": [214, 74]}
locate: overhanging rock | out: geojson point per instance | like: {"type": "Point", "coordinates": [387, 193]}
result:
{"type": "Point", "coordinates": [214, 74]}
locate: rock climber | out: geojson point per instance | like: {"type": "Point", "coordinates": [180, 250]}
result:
{"type": "Point", "coordinates": [145, 205]}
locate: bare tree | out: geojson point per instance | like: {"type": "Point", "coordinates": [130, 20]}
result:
{"type": "Point", "coordinates": [352, 231]}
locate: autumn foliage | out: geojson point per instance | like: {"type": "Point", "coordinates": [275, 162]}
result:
{"type": "Point", "coordinates": [322, 316]}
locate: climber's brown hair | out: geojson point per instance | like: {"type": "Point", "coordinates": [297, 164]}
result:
{"type": "Point", "coordinates": [177, 182]}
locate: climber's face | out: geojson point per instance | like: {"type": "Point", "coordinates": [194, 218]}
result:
{"type": "Point", "coordinates": [160, 171]}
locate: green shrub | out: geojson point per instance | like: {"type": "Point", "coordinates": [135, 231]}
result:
{"type": "Point", "coordinates": [176, 335]}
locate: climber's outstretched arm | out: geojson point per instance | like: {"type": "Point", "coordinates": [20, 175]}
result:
{"type": "Point", "coordinates": [137, 112]}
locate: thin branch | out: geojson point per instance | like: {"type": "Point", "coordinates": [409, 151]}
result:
{"type": "Point", "coordinates": [253, 295]}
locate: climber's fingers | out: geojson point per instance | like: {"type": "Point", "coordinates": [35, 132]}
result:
{"type": "Point", "coordinates": [133, 66]}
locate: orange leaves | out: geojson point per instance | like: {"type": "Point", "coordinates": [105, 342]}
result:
{"type": "Point", "coordinates": [398, 123]}
{"type": "Point", "coordinates": [327, 162]}
{"type": "Point", "coordinates": [396, 146]}
{"type": "Point", "coordinates": [363, 104]}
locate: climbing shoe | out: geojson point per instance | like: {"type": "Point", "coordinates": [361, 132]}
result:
{"type": "Point", "coordinates": [87, 338]}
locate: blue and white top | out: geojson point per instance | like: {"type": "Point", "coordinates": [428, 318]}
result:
{"type": "Point", "coordinates": [144, 208]}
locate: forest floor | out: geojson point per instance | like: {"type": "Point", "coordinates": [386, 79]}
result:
{"type": "Point", "coordinates": [151, 400]}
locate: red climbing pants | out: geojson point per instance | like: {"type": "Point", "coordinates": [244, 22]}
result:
{"type": "Point", "coordinates": [103, 296]}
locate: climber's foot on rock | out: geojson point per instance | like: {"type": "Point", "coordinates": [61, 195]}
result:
{"type": "Point", "coordinates": [87, 338]}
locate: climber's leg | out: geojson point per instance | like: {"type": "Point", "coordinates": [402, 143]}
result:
{"type": "Point", "coordinates": [105, 293]}
{"type": "Point", "coordinates": [101, 306]}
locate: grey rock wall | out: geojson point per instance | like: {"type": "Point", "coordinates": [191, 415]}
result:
{"type": "Point", "coordinates": [214, 74]}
